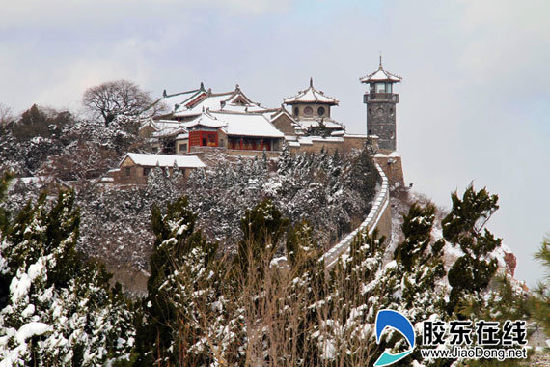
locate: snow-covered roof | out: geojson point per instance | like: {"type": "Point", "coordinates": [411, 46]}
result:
{"type": "Point", "coordinates": [247, 124]}
{"type": "Point", "coordinates": [205, 119]}
{"type": "Point", "coordinates": [380, 75]}
{"type": "Point", "coordinates": [234, 101]}
{"type": "Point", "coordinates": [364, 136]}
{"type": "Point", "coordinates": [311, 95]}
{"type": "Point", "coordinates": [163, 160]}
{"type": "Point", "coordinates": [173, 101]}
{"type": "Point", "coordinates": [314, 122]}
{"type": "Point", "coordinates": [33, 180]}
{"type": "Point", "coordinates": [311, 139]}
{"type": "Point", "coordinates": [168, 131]}
{"type": "Point", "coordinates": [165, 128]}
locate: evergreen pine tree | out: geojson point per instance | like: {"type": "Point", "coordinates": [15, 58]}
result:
{"type": "Point", "coordinates": [540, 302]}
{"type": "Point", "coordinates": [172, 232]}
{"type": "Point", "coordinates": [464, 226]}
{"type": "Point", "coordinates": [177, 249]}
{"type": "Point", "coordinates": [263, 227]}
{"type": "Point", "coordinates": [61, 309]}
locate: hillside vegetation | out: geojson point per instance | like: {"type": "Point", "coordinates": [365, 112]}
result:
{"type": "Point", "coordinates": [229, 258]}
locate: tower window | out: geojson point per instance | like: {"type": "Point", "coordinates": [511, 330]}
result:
{"type": "Point", "coordinates": [295, 111]}
{"type": "Point", "coordinates": [321, 111]}
{"type": "Point", "coordinates": [308, 110]}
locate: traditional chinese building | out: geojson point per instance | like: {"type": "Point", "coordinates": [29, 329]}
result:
{"type": "Point", "coordinates": [230, 130]}
{"type": "Point", "coordinates": [381, 101]}
{"type": "Point", "coordinates": [311, 111]}
{"type": "Point", "coordinates": [381, 106]}
{"type": "Point", "coordinates": [202, 122]}
{"type": "Point", "coordinates": [217, 120]}
{"type": "Point", "coordinates": [233, 122]}
{"type": "Point", "coordinates": [135, 168]}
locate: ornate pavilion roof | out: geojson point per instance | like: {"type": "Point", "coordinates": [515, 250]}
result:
{"type": "Point", "coordinates": [311, 95]}
{"type": "Point", "coordinates": [380, 75]}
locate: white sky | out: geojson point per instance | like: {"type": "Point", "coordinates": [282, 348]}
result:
{"type": "Point", "coordinates": [474, 100]}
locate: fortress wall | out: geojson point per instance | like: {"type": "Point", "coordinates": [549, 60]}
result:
{"type": "Point", "coordinates": [213, 151]}
{"type": "Point", "coordinates": [328, 146]}
{"type": "Point", "coordinates": [379, 218]}
{"type": "Point", "coordinates": [391, 165]}
{"type": "Point", "coordinates": [353, 142]}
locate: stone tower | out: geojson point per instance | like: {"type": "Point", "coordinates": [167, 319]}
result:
{"type": "Point", "coordinates": [381, 107]}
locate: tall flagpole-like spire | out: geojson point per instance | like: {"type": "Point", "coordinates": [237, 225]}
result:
{"type": "Point", "coordinates": [311, 82]}
{"type": "Point", "coordinates": [380, 62]}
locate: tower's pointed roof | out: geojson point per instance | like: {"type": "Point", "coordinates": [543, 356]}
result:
{"type": "Point", "coordinates": [311, 95]}
{"type": "Point", "coordinates": [381, 75]}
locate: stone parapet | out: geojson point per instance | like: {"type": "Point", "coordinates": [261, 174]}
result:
{"type": "Point", "coordinates": [391, 165]}
{"type": "Point", "coordinates": [379, 218]}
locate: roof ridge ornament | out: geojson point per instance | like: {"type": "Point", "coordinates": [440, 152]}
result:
{"type": "Point", "coordinates": [381, 75]}
{"type": "Point", "coordinates": [310, 95]}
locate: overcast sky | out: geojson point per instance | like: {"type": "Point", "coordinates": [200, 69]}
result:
{"type": "Point", "coordinates": [474, 98]}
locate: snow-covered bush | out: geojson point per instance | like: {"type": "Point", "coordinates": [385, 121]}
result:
{"type": "Point", "coordinates": [55, 307]}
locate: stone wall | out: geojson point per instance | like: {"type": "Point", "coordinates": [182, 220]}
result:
{"type": "Point", "coordinates": [343, 145]}
{"type": "Point", "coordinates": [130, 173]}
{"type": "Point", "coordinates": [379, 218]}
{"type": "Point", "coordinates": [231, 152]}
{"type": "Point", "coordinates": [391, 165]}
{"type": "Point", "coordinates": [353, 142]}
{"type": "Point", "coordinates": [284, 124]}
{"type": "Point", "coordinates": [381, 121]}
{"type": "Point", "coordinates": [182, 146]}
{"type": "Point", "coordinates": [317, 145]}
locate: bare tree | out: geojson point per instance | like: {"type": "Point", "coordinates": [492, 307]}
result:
{"type": "Point", "coordinates": [6, 115]}
{"type": "Point", "coordinates": [120, 97]}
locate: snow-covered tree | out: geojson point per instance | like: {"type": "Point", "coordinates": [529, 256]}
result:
{"type": "Point", "coordinates": [464, 227]}
{"type": "Point", "coordinates": [263, 229]}
{"type": "Point", "coordinates": [540, 303]}
{"type": "Point", "coordinates": [119, 98]}
{"type": "Point", "coordinates": [61, 309]}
